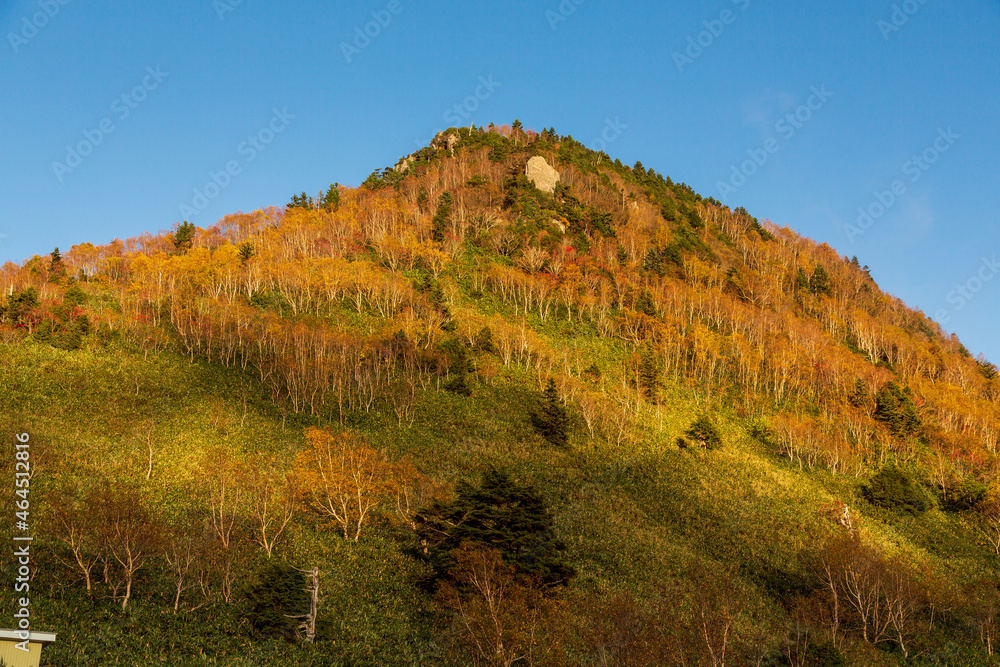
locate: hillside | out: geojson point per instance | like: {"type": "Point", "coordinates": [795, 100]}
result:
{"type": "Point", "coordinates": [613, 424]}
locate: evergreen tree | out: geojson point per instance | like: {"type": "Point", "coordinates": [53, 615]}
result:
{"type": "Point", "coordinates": [459, 366]}
{"type": "Point", "coordinates": [644, 304]}
{"type": "Point", "coordinates": [43, 333]}
{"type": "Point", "coordinates": [859, 395]}
{"type": "Point", "coordinates": [703, 432]}
{"type": "Point", "coordinates": [75, 296]}
{"type": "Point", "coordinates": [331, 200]}
{"type": "Point", "coordinates": [56, 268]}
{"type": "Point", "coordinates": [893, 489]}
{"type": "Point", "coordinates": [439, 224]}
{"type": "Point", "coordinates": [820, 281]}
{"type": "Point", "coordinates": [484, 341]}
{"type": "Point", "coordinates": [552, 423]}
{"type": "Point", "coordinates": [246, 251]}
{"type": "Point", "coordinates": [801, 282]}
{"type": "Point", "coordinates": [649, 375]}
{"type": "Point", "coordinates": [276, 600]}
{"type": "Point", "coordinates": [19, 305]}
{"type": "Point", "coordinates": [498, 514]}
{"type": "Point", "coordinates": [895, 408]}
{"type": "Point", "coordinates": [184, 236]}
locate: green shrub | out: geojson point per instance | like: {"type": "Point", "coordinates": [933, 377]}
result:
{"type": "Point", "coordinates": [276, 600]}
{"type": "Point", "coordinates": [966, 496]}
{"type": "Point", "coordinates": [703, 432]}
{"type": "Point", "coordinates": [498, 514]}
{"type": "Point", "coordinates": [892, 488]}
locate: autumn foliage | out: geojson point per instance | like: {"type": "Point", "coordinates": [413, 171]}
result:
{"type": "Point", "coordinates": [343, 479]}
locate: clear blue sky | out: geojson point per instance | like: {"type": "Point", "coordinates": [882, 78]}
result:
{"type": "Point", "coordinates": [199, 78]}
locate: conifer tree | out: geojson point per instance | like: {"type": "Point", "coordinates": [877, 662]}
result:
{"type": "Point", "coordinates": [703, 432]}
{"type": "Point", "coordinates": [499, 514]}
{"type": "Point", "coordinates": [649, 375]}
{"type": "Point", "coordinates": [277, 600]}
{"type": "Point", "coordinates": [644, 304]}
{"type": "Point", "coordinates": [440, 222]}
{"type": "Point", "coordinates": [895, 408]}
{"type": "Point", "coordinates": [552, 422]}
{"type": "Point", "coordinates": [331, 200]}
{"type": "Point", "coordinates": [820, 281]}
{"type": "Point", "coordinates": [184, 236]}
{"type": "Point", "coordinates": [246, 251]}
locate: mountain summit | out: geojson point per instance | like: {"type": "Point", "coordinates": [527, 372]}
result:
{"type": "Point", "coordinates": [509, 401]}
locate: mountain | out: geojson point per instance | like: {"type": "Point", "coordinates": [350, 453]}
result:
{"type": "Point", "coordinates": [572, 413]}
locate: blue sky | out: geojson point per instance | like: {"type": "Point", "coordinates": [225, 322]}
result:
{"type": "Point", "coordinates": [802, 113]}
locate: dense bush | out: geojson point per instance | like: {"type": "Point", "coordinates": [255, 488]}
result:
{"type": "Point", "coordinates": [277, 600]}
{"type": "Point", "coordinates": [499, 514]}
{"type": "Point", "coordinates": [704, 433]}
{"type": "Point", "coordinates": [892, 488]}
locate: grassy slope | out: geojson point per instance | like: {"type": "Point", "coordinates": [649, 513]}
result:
{"type": "Point", "coordinates": [632, 515]}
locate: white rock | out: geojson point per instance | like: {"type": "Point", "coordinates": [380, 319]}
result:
{"type": "Point", "coordinates": [541, 174]}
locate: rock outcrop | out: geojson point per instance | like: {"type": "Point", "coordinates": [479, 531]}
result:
{"type": "Point", "coordinates": [541, 174]}
{"type": "Point", "coordinates": [448, 141]}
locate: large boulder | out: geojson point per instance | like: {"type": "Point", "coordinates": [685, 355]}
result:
{"type": "Point", "coordinates": [541, 174]}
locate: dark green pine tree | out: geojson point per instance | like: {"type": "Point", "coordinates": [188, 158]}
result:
{"type": "Point", "coordinates": [301, 201]}
{"type": "Point", "coordinates": [184, 236]}
{"type": "Point", "coordinates": [56, 267]}
{"type": "Point", "coordinates": [644, 304]}
{"type": "Point", "coordinates": [439, 224]}
{"type": "Point", "coordinates": [552, 422]}
{"type": "Point", "coordinates": [246, 251]}
{"type": "Point", "coordinates": [893, 489]}
{"type": "Point", "coordinates": [859, 395]}
{"type": "Point", "coordinates": [331, 200]}
{"type": "Point", "coordinates": [19, 306]}
{"type": "Point", "coordinates": [649, 375]}
{"type": "Point", "coordinates": [75, 296]}
{"type": "Point", "coordinates": [459, 367]}
{"type": "Point", "coordinates": [276, 600]}
{"type": "Point", "coordinates": [704, 433]}
{"type": "Point", "coordinates": [820, 281]}
{"type": "Point", "coordinates": [894, 407]}
{"type": "Point", "coordinates": [801, 282]}
{"type": "Point", "coordinates": [498, 514]}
